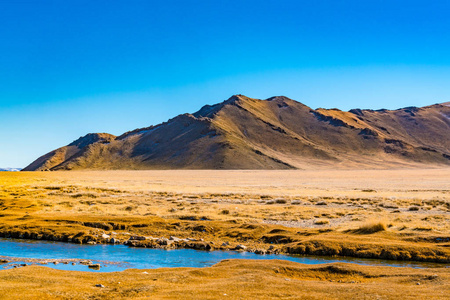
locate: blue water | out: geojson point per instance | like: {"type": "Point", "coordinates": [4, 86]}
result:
{"type": "Point", "coordinates": [120, 257]}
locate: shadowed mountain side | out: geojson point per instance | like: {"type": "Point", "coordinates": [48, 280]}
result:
{"type": "Point", "coordinates": [277, 133]}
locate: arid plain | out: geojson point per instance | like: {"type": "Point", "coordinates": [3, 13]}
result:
{"type": "Point", "coordinates": [382, 214]}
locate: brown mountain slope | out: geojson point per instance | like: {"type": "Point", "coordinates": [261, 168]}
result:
{"type": "Point", "coordinates": [75, 149]}
{"type": "Point", "coordinates": [277, 133]}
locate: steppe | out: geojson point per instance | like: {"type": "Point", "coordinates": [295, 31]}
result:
{"type": "Point", "coordinates": [384, 214]}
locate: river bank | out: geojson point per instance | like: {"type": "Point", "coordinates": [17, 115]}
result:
{"type": "Point", "coordinates": [231, 279]}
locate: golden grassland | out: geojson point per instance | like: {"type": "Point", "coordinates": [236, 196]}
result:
{"type": "Point", "coordinates": [400, 214]}
{"type": "Point", "coordinates": [231, 279]}
{"type": "Point", "coordinates": [388, 214]}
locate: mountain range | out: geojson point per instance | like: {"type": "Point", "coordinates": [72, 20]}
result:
{"type": "Point", "coordinates": [10, 169]}
{"type": "Point", "coordinates": [276, 133]}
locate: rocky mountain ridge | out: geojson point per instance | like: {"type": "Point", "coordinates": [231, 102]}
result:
{"type": "Point", "coordinates": [276, 133]}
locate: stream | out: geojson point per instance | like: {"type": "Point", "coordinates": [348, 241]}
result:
{"type": "Point", "coordinates": [112, 258]}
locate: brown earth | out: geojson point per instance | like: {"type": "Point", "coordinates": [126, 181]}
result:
{"type": "Point", "coordinates": [277, 133]}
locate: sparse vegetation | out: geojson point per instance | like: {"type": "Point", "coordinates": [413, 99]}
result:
{"type": "Point", "coordinates": [372, 227]}
{"type": "Point", "coordinates": [321, 222]}
{"type": "Point", "coordinates": [182, 203]}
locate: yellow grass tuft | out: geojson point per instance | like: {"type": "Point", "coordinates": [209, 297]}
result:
{"type": "Point", "coordinates": [372, 227]}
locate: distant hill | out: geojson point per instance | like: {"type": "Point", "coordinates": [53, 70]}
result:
{"type": "Point", "coordinates": [10, 169]}
{"type": "Point", "coordinates": [276, 133]}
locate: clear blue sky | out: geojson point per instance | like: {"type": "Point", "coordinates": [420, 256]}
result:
{"type": "Point", "coordinates": [72, 67]}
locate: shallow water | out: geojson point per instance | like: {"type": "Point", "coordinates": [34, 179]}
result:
{"type": "Point", "coordinates": [119, 257]}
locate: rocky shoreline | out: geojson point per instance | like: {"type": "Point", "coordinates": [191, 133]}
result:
{"type": "Point", "coordinates": [310, 247]}
{"type": "Point", "coordinates": [145, 242]}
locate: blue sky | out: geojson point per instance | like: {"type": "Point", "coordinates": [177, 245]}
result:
{"type": "Point", "coordinates": [72, 67]}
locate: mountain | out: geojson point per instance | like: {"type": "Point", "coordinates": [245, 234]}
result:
{"type": "Point", "coordinates": [276, 133]}
{"type": "Point", "coordinates": [10, 169]}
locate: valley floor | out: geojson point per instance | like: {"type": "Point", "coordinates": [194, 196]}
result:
{"type": "Point", "coordinates": [387, 214]}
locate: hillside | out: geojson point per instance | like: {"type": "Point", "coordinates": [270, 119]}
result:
{"type": "Point", "coordinates": [276, 133]}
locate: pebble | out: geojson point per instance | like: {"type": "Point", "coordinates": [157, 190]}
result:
{"type": "Point", "coordinates": [174, 238]}
{"type": "Point", "coordinates": [94, 266]}
{"type": "Point", "coordinates": [99, 285]}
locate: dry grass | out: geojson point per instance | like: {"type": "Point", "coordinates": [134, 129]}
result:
{"type": "Point", "coordinates": [231, 206]}
{"type": "Point", "coordinates": [231, 279]}
{"type": "Point", "coordinates": [372, 227]}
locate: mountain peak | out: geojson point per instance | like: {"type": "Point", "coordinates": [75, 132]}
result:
{"type": "Point", "coordinates": [279, 98]}
{"type": "Point", "coordinates": [91, 138]}
{"type": "Point", "coordinates": [210, 110]}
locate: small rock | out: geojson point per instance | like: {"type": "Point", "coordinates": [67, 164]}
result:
{"type": "Point", "coordinates": [114, 241]}
{"type": "Point", "coordinates": [99, 285]}
{"type": "Point", "coordinates": [94, 266]}
{"type": "Point", "coordinates": [224, 244]}
{"type": "Point", "coordinates": [174, 238]}
{"type": "Point", "coordinates": [418, 283]}
{"type": "Point", "coordinates": [271, 247]}
{"type": "Point", "coordinates": [105, 236]}
{"type": "Point", "coordinates": [73, 264]}
{"type": "Point", "coordinates": [240, 247]}
{"type": "Point", "coordinates": [138, 238]}
{"type": "Point", "coordinates": [164, 241]}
